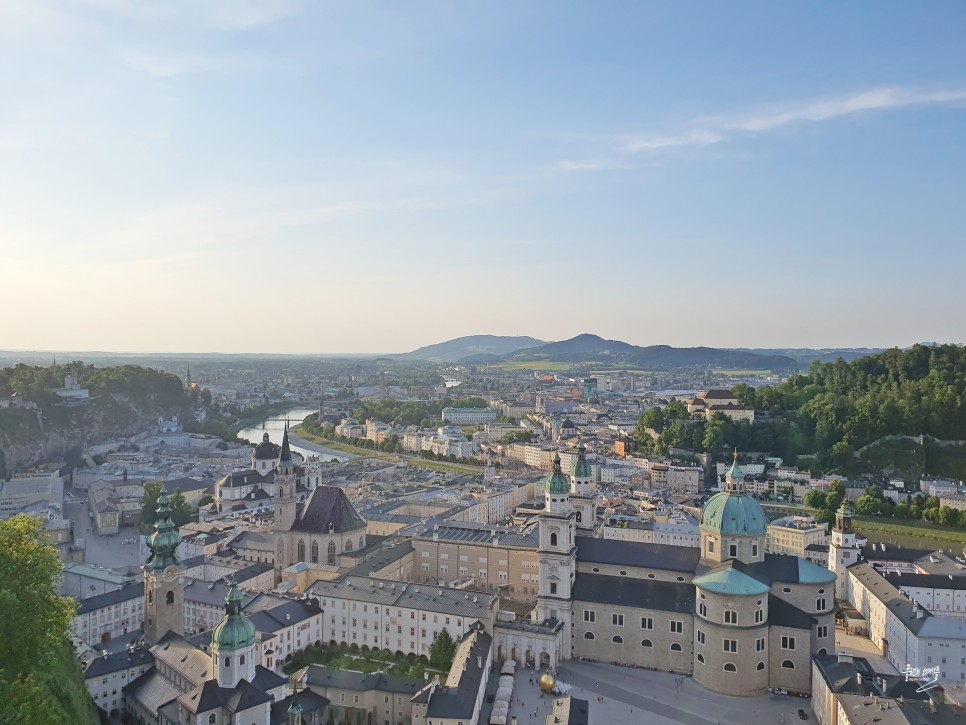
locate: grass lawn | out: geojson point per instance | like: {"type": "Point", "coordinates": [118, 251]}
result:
{"type": "Point", "coordinates": [911, 530]}
{"type": "Point", "coordinates": [336, 658]}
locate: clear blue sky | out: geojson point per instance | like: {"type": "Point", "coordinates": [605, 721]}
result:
{"type": "Point", "coordinates": [359, 177]}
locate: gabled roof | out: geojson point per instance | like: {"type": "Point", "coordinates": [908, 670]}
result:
{"type": "Point", "coordinates": [637, 554]}
{"type": "Point", "coordinates": [124, 594]}
{"type": "Point", "coordinates": [328, 505]}
{"type": "Point", "coordinates": [118, 661]}
{"type": "Point", "coordinates": [629, 592]}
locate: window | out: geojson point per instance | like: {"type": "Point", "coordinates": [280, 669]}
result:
{"type": "Point", "coordinates": [788, 643]}
{"type": "Point", "coordinates": [331, 556]}
{"type": "Point", "coordinates": [596, 568]}
{"type": "Point", "coordinates": [761, 666]}
{"type": "Point", "coordinates": [617, 639]}
{"type": "Point", "coordinates": [647, 623]}
{"type": "Point", "coordinates": [301, 549]}
{"type": "Point", "coordinates": [241, 659]}
{"type": "Point", "coordinates": [759, 616]}
{"type": "Point", "coordinates": [700, 637]}
{"type": "Point", "coordinates": [588, 635]}
{"type": "Point", "coordinates": [675, 647]}
{"type": "Point", "coordinates": [646, 643]}
{"type": "Point", "coordinates": [728, 667]}
{"type": "Point", "coordinates": [820, 604]}
{"type": "Point", "coordinates": [822, 631]}
{"type": "Point", "coordinates": [617, 620]}
{"type": "Point", "coordinates": [169, 598]}
{"type": "Point", "coordinates": [760, 644]}
{"type": "Point", "coordinates": [622, 572]}
{"type": "Point", "coordinates": [553, 539]}
{"type": "Point", "coordinates": [733, 551]}
{"type": "Point", "coordinates": [730, 645]}
{"type": "Point", "coordinates": [788, 665]}
{"type": "Point", "coordinates": [700, 658]}
{"type": "Point", "coordinates": [677, 626]}
{"type": "Point", "coordinates": [553, 587]}
{"type": "Point", "coordinates": [650, 576]}
{"type": "Point", "coordinates": [315, 552]}
{"type": "Point", "coordinates": [731, 616]}
{"type": "Point", "coordinates": [211, 717]}
{"type": "Point", "coordinates": [590, 615]}
{"type": "Point", "coordinates": [754, 548]}
{"type": "Point", "coordinates": [787, 590]}
{"type": "Point", "coordinates": [703, 609]}
{"type": "Point", "coordinates": [227, 662]}
{"type": "Point", "coordinates": [710, 546]}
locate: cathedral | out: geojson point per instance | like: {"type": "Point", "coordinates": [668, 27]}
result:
{"type": "Point", "coordinates": [739, 620]}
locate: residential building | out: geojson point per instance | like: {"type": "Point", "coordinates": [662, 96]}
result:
{"type": "Point", "coordinates": [794, 534]}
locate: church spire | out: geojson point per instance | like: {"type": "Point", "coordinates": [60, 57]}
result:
{"type": "Point", "coordinates": [286, 449]}
{"type": "Point", "coordinates": [164, 542]}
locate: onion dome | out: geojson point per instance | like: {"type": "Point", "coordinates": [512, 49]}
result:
{"type": "Point", "coordinates": [581, 467]}
{"type": "Point", "coordinates": [235, 631]}
{"type": "Point", "coordinates": [557, 483]}
{"type": "Point", "coordinates": [163, 543]}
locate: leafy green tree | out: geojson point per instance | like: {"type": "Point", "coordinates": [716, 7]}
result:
{"type": "Point", "coordinates": [915, 512]}
{"type": "Point", "coordinates": [714, 435]}
{"type": "Point", "coordinates": [745, 394]}
{"type": "Point", "coordinates": [833, 501]}
{"type": "Point", "coordinates": [948, 516]}
{"type": "Point", "coordinates": [653, 419]}
{"type": "Point", "coordinates": [206, 499]}
{"type": "Point", "coordinates": [931, 514]}
{"type": "Point", "coordinates": [902, 511]}
{"type": "Point", "coordinates": [149, 504]}
{"type": "Point", "coordinates": [442, 650]}
{"type": "Point", "coordinates": [837, 487]}
{"type": "Point", "coordinates": [867, 506]}
{"type": "Point", "coordinates": [932, 503]}
{"type": "Point", "coordinates": [40, 680]}
{"type": "Point", "coordinates": [180, 509]}
{"type": "Point", "coordinates": [814, 498]}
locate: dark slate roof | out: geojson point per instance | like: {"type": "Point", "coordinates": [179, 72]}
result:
{"type": "Point", "coordinates": [637, 554]}
{"type": "Point", "coordinates": [381, 558]}
{"type": "Point", "coordinates": [309, 701]}
{"type": "Point", "coordinates": [187, 484]}
{"type": "Point", "coordinates": [328, 504]}
{"type": "Point", "coordinates": [124, 594]}
{"type": "Point", "coordinates": [271, 620]}
{"type": "Point", "coordinates": [458, 701]}
{"type": "Point", "coordinates": [266, 680]}
{"type": "Point", "coordinates": [783, 614]}
{"type": "Point", "coordinates": [626, 592]}
{"type": "Point", "coordinates": [251, 571]}
{"type": "Point", "coordinates": [322, 676]}
{"type": "Point", "coordinates": [926, 581]}
{"type": "Point", "coordinates": [245, 696]}
{"type": "Point", "coordinates": [840, 674]}
{"type": "Point", "coordinates": [245, 478]}
{"type": "Point", "coordinates": [894, 553]}
{"type": "Point", "coordinates": [267, 450]}
{"type": "Point", "coordinates": [123, 660]}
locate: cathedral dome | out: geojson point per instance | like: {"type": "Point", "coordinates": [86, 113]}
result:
{"type": "Point", "coordinates": [266, 450]}
{"type": "Point", "coordinates": [235, 631]}
{"type": "Point", "coordinates": [734, 514]}
{"type": "Point", "coordinates": [557, 483]}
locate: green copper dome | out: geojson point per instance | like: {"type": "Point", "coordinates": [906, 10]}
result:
{"type": "Point", "coordinates": [734, 473]}
{"type": "Point", "coordinates": [163, 543]}
{"type": "Point", "coordinates": [557, 483]}
{"type": "Point", "coordinates": [734, 514]}
{"type": "Point", "coordinates": [581, 467]}
{"type": "Point", "coordinates": [235, 631]}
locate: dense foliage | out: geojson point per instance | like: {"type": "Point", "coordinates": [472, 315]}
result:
{"type": "Point", "coordinates": [40, 681]}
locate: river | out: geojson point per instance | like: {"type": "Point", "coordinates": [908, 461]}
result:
{"type": "Point", "coordinates": [274, 425]}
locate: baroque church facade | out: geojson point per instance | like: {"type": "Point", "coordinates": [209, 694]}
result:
{"type": "Point", "coordinates": [739, 620]}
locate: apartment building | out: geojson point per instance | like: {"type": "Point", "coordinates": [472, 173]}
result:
{"type": "Point", "coordinates": [794, 534]}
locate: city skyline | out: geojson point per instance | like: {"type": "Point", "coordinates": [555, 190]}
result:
{"type": "Point", "coordinates": [364, 178]}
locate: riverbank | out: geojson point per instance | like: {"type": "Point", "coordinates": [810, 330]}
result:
{"type": "Point", "coordinates": [329, 449]}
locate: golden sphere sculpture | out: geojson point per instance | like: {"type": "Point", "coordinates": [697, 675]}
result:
{"type": "Point", "coordinates": [547, 682]}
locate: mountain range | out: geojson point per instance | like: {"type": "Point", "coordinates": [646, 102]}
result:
{"type": "Point", "coordinates": [484, 346]}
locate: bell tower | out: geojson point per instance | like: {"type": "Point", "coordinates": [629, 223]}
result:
{"type": "Point", "coordinates": [233, 643]}
{"type": "Point", "coordinates": [842, 550]}
{"type": "Point", "coordinates": [163, 578]}
{"type": "Point", "coordinates": [285, 488]}
{"type": "Point", "coordinates": [557, 554]}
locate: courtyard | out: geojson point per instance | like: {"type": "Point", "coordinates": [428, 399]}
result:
{"type": "Point", "coordinates": [627, 696]}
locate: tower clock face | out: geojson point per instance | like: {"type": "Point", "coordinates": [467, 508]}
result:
{"type": "Point", "coordinates": [171, 572]}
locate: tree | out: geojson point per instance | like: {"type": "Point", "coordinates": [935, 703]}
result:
{"type": "Point", "coordinates": [714, 435]}
{"type": "Point", "coordinates": [931, 503]}
{"type": "Point", "coordinates": [931, 514]}
{"type": "Point", "coordinates": [745, 394]}
{"type": "Point", "coordinates": [40, 681]}
{"type": "Point", "coordinates": [149, 503]}
{"type": "Point", "coordinates": [833, 501]}
{"type": "Point", "coordinates": [206, 499]}
{"type": "Point", "coordinates": [653, 419]}
{"type": "Point", "coordinates": [948, 516]}
{"type": "Point", "coordinates": [837, 487]}
{"type": "Point", "coordinates": [180, 510]}
{"type": "Point", "coordinates": [867, 506]}
{"type": "Point", "coordinates": [814, 498]}
{"type": "Point", "coordinates": [442, 650]}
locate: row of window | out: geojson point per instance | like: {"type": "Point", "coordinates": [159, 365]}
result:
{"type": "Point", "coordinates": [617, 639]}
{"type": "Point", "coordinates": [731, 667]}
{"type": "Point", "coordinates": [617, 620]}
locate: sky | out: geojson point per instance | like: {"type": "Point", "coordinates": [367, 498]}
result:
{"type": "Point", "coordinates": [312, 177]}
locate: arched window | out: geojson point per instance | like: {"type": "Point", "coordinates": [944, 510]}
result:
{"type": "Point", "coordinates": [553, 539]}
{"type": "Point", "coordinates": [588, 635]}
{"type": "Point", "coordinates": [227, 662]}
{"type": "Point", "coordinates": [731, 616]}
{"type": "Point", "coordinates": [169, 598]}
{"type": "Point", "coordinates": [241, 659]}
{"type": "Point", "coordinates": [700, 658]}
{"type": "Point", "coordinates": [315, 552]}
{"type": "Point", "coordinates": [759, 616]}
{"type": "Point", "coordinates": [301, 549]}
{"type": "Point", "coordinates": [211, 717]}
{"type": "Point", "coordinates": [729, 667]}
{"type": "Point", "coordinates": [788, 665]}
{"type": "Point", "coordinates": [823, 651]}
{"type": "Point", "coordinates": [646, 643]}
{"type": "Point", "coordinates": [331, 557]}
{"type": "Point", "coordinates": [348, 544]}
{"type": "Point", "coordinates": [820, 604]}
{"type": "Point", "coordinates": [617, 639]}
{"type": "Point", "coordinates": [579, 517]}
{"type": "Point", "coordinates": [675, 647]}
{"type": "Point", "coordinates": [761, 666]}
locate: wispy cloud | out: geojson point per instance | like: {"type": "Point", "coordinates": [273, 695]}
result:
{"type": "Point", "coordinates": [592, 165]}
{"type": "Point", "coordinates": [718, 130]}
{"type": "Point", "coordinates": [169, 66]}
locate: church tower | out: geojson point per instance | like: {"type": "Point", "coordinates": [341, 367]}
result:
{"type": "Point", "coordinates": [582, 491]}
{"type": "Point", "coordinates": [733, 525]}
{"type": "Point", "coordinates": [233, 643]}
{"type": "Point", "coordinates": [557, 554]}
{"type": "Point", "coordinates": [842, 550]}
{"type": "Point", "coordinates": [163, 578]}
{"type": "Point", "coordinates": [285, 488]}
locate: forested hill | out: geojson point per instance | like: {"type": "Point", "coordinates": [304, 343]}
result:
{"type": "Point", "coordinates": [124, 400]}
{"type": "Point", "coordinates": [836, 408]}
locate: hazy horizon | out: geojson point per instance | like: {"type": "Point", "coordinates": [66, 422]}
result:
{"type": "Point", "coordinates": [294, 177]}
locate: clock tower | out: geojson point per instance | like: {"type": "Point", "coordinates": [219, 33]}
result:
{"type": "Point", "coordinates": [557, 554]}
{"type": "Point", "coordinates": [163, 578]}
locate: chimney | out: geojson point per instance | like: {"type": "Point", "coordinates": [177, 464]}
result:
{"type": "Point", "coordinates": [858, 678]}
{"type": "Point", "coordinates": [883, 686]}
{"type": "Point", "coordinates": [479, 663]}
